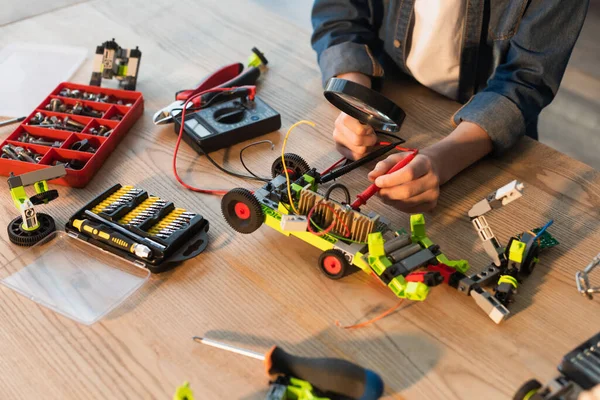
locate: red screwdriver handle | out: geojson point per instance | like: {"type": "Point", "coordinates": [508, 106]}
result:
{"type": "Point", "coordinates": [329, 375]}
{"type": "Point", "coordinates": [362, 198]}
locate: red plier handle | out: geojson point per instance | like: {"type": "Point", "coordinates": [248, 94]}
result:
{"type": "Point", "coordinates": [232, 75]}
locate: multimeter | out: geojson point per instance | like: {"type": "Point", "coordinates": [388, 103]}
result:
{"type": "Point", "coordinates": [227, 123]}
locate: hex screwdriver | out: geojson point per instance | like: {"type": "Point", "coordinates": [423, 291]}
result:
{"type": "Point", "coordinates": [105, 234]}
{"type": "Point", "coordinates": [336, 378]}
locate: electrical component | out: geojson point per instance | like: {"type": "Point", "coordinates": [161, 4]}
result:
{"type": "Point", "coordinates": [294, 223]}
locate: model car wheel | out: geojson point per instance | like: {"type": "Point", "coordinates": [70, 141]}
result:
{"type": "Point", "coordinates": [242, 211]}
{"type": "Point", "coordinates": [44, 198]}
{"type": "Point", "coordinates": [527, 389]}
{"type": "Point", "coordinates": [333, 264]}
{"type": "Point", "coordinates": [295, 165]}
{"type": "Point", "coordinates": [21, 237]}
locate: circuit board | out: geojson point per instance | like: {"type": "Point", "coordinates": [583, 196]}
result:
{"type": "Point", "coordinates": [546, 240]}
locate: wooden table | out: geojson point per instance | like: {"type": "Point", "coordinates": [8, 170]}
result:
{"type": "Point", "coordinates": [265, 288]}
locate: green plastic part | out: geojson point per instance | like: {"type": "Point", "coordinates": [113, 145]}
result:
{"type": "Point", "coordinates": [417, 228]}
{"type": "Point", "coordinates": [254, 61]}
{"type": "Point", "coordinates": [19, 196]}
{"type": "Point", "coordinates": [301, 390]}
{"type": "Point", "coordinates": [41, 187]}
{"type": "Point", "coordinates": [398, 286]}
{"type": "Point", "coordinates": [416, 291]}
{"type": "Point", "coordinates": [377, 258]}
{"type": "Point", "coordinates": [418, 235]}
{"type": "Point", "coordinates": [184, 392]}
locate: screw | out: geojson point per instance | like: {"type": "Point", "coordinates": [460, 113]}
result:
{"type": "Point", "coordinates": [24, 154]}
{"type": "Point", "coordinates": [101, 130]}
{"type": "Point", "coordinates": [10, 152]}
{"type": "Point", "coordinates": [73, 124]}
{"type": "Point", "coordinates": [77, 108]}
{"type": "Point", "coordinates": [54, 105]}
{"type": "Point", "coordinates": [65, 92]}
{"type": "Point", "coordinates": [37, 119]}
{"type": "Point", "coordinates": [43, 142]}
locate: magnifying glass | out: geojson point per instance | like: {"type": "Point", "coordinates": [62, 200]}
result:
{"type": "Point", "coordinates": [364, 104]}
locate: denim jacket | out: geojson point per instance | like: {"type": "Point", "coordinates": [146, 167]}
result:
{"type": "Point", "coordinates": [514, 53]}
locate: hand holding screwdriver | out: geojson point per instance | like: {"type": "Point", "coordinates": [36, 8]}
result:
{"type": "Point", "coordinates": [335, 377]}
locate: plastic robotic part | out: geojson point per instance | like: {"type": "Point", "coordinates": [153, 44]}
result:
{"type": "Point", "coordinates": [501, 197]}
{"type": "Point", "coordinates": [294, 223]}
{"type": "Point", "coordinates": [31, 227]}
{"type": "Point", "coordinates": [490, 244]}
{"type": "Point", "coordinates": [112, 61]}
{"type": "Point", "coordinates": [489, 304]}
{"type": "Point", "coordinates": [582, 278]}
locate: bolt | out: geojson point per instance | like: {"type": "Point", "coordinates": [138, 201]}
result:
{"type": "Point", "coordinates": [37, 118]}
{"type": "Point", "coordinates": [77, 108]}
{"type": "Point", "coordinates": [65, 92]}
{"type": "Point", "coordinates": [73, 124]}
{"type": "Point", "coordinates": [75, 93]}
{"type": "Point", "coordinates": [101, 130]}
{"type": "Point", "coordinates": [24, 154]}
{"type": "Point", "coordinates": [54, 105]}
{"type": "Point", "coordinates": [107, 134]}
{"type": "Point", "coordinates": [10, 152]}
{"type": "Point", "coordinates": [43, 142]}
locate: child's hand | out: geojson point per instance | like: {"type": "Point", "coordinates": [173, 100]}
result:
{"type": "Point", "coordinates": [414, 188]}
{"type": "Point", "coordinates": [352, 139]}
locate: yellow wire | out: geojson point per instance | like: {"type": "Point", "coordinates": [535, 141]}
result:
{"type": "Point", "coordinates": [287, 175]}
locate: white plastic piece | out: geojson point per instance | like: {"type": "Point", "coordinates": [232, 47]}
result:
{"type": "Point", "coordinates": [510, 192]}
{"type": "Point", "coordinates": [294, 223]}
{"type": "Point", "coordinates": [492, 307]}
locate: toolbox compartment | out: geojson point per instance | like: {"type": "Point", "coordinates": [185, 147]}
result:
{"type": "Point", "coordinates": [129, 111]}
{"type": "Point", "coordinates": [184, 244]}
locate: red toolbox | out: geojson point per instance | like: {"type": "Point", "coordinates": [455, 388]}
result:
{"type": "Point", "coordinates": [107, 116]}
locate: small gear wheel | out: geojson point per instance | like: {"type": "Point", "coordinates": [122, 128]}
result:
{"type": "Point", "coordinates": [242, 211]}
{"type": "Point", "coordinates": [44, 198]}
{"type": "Point", "coordinates": [21, 237]}
{"type": "Point", "coordinates": [295, 165]}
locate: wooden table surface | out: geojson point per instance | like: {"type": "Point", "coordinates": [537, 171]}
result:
{"type": "Point", "coordinates": [265, 289]}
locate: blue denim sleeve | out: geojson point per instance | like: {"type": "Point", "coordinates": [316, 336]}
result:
{"type": "Point", "coordinates": [528, 79]}
{"type": "Point", "coordinates": [344, 33]}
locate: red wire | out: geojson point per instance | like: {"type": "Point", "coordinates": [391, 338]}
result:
{"type": "Point", "coordinates": [185, 185]}
{"type": "Point", "coordinates": [338, 162]}
{"type": "Point", "coordinates": [330, 227]}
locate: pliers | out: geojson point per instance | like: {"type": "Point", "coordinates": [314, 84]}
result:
{"type": "Point", "coordinates": [232, 75]}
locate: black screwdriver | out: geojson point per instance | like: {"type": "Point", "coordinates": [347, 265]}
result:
{"type": "Point", "coordinates": [329, 375]}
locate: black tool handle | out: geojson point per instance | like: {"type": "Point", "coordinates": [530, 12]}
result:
{"type": "Point", "coordinates": [355, 164]}
{"type": "Point", "coordinates": [329, 375]}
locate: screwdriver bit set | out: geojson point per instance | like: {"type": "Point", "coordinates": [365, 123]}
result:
{"type": "Point", "coordinates": [133, 224]}
{"type": "Point", "coordinates": [76, 125]}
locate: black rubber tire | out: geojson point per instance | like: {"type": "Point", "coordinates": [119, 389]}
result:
{"type": "Point", "coordinates": [20, 237]}
{"type": "Point", "coordinates": [44, 198]}
{"type": "Point", "coordinates": [295, 164]}
{"type": "Point", "coordinates": [255, 215]}
{"type": "Point", "coordinates": [344, 266]}
{"type": "Point", "coordinates": [526, 388]}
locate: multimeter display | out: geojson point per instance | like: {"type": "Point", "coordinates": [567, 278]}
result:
{"type": "Point", "coordinates": [228, 123]}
